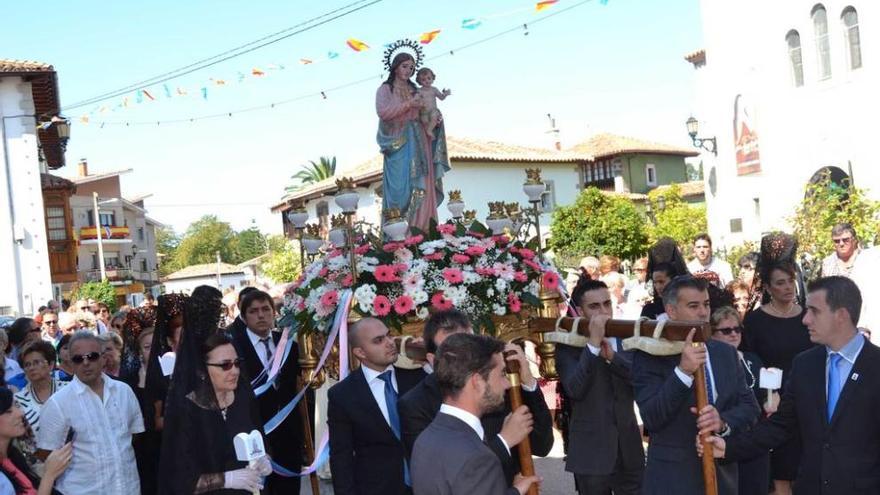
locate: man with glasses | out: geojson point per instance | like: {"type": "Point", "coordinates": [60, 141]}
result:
{"type": "Point", "coordinates": [51, 332]}
{"type": "Point", "coordinates": [99, 415]}
{"type": "Point", "coordinates": [846, 251]}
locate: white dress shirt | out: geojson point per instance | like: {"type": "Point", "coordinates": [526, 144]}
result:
{"type": "Point", "coordinates": [468, 418]}
{"type": "Point", "coordinates": [103, 458]}
{"type": "Point", "coordinates": [260, 348]}
{"type": "Point", "coordinates": [377, 387]}
{"type": "Point", "coordinates": [717, 265]}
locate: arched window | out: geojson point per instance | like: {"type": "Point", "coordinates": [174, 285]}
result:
{"type": "Point", "coordinates": [823, 43]}
{"type": "Point", "coordinates": [793, 40]}
{"type": "Point", "coordinates": [850, 20]}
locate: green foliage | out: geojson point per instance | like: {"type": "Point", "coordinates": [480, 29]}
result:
{"type": "Point", "coordinates": [598, 223]}
{"type": "Point", "coordinates": [694, 173]}
{"type": "Point", "coordinates": [732, 255]}
{"type": "Point", "coordinates": [166, 245]}
{"type": "Point", "coordinates": [678, 219]}
{"type": "Point", "coordinates": [203, 239]}
{"type": "Point", "coordinates": [282, 264]}
{"type": "Point", "coordinates": [314, 172]}
{"type": "Point", "coordinates": [826, 204]}
{"type": "Point", "coordinates": [99, 291]}
{"type": "Point", "coordinates": [249, 244]}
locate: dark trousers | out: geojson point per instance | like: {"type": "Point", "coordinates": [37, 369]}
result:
{"type": "Point", "coordinates": [620, 482]}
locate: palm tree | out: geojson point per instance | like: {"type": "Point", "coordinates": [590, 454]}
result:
{"type": "Point", "coordinates": [313, 173]}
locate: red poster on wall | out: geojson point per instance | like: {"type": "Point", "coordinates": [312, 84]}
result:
{"type": "Point", "coordinates": [745, 139]}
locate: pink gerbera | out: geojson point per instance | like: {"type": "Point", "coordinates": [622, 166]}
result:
{"type": "Point", "coordinates": [324, 271]}
{"type": "Point", "coordinates": [460, 258]}
{"type": "Point", "coordinates": [526, 253]}
{"type": "Point", "coordinates": [439, 302]}
{"type": "Point", "coordinates": [446, 228]}
{"type": "Point", "coordinates": [403, 305]}
{"type": "Point", "coordinates": [475, 250]}
{"type": "Point", "coordinates": [414, 240]}
{"type": "Point", "coordinates": [520, 277]}
{"type": "Point", "coordinates": [362, 249]}
{"type": "Point", "coordinates": [433, 257]}
{"type": "Point", "coordinates": [381, 306]}
{"type": "Point", "coordinates": [330, 298]}
{"type": "Point", "coordinates": [513, 303]}
{"type": "Point", "coordinates": [347, 281]}
{"type": "Point", "coordinates": [551, 281]}
{"type": "Point", "coordinates": [392, 246]}
{"type": "Point", "coordinates": [531, 264]}
{"type": "Point", "coordinates": [452, 275]}
{"type": "Point", "coordinates": [386, 273]}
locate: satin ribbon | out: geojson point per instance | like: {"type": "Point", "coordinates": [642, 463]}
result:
{"type": "Point", "coordinates": [277, 362]}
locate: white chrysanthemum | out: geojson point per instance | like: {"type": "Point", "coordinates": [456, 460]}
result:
{"type": "Point", "coordinates": [365, 295]}
{"type": "Point", "coordinates": [419, 297]}
{"type": "Point", "coordinates": [501, 285]}
{"type": "Point", "coordinates": [422, 313]}
{"type": "Point", "coordinates": [499, 309]}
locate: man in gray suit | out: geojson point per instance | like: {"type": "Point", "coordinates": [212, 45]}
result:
{"type": "Point", "coordinates": [605, 450]}
{"type": "Point", "coordinates": [449, 457]}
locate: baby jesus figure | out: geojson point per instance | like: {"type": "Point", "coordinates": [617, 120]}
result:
{"type": "Point", "coordinates": [429, 114]}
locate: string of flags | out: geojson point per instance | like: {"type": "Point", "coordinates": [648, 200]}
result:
{"type": "Point", "coordinates": [354, 45]}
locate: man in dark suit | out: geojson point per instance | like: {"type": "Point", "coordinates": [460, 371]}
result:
{"type": "Point", "coordinates": [256, 341]}
{"type": "Point", "coordinates": [832, 399]}
{"type": "Point", "coordinates": [238, 324]}
{"type": "Point", "coordinates": [664, 391]}
{"type": "Point", "coordinates": [366, 454]}
{"type": "Point", "coordinates": [449, 457]}
{"type": "Point", "coordinates": [605, 446]}
{"type": "Point", "coordinates": [504, 428]}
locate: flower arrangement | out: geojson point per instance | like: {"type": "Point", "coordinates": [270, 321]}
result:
{"type": "Point", "coordinates": [451, 266]}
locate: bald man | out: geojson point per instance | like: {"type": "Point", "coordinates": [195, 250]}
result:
{"type": "Point", "coordinates": [366, 452]}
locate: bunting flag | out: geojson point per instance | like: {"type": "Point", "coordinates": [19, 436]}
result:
{"type": "Point", "coordinates": [357, 45]}
{"type": "Point", "coordinates": [167, 90]}
{"type": "Point", "coordinates": [84, 119]}
{"type": "Point", "coordinates": [205, 93]}
{"type": "Point", "coordinates": [544, 4]}
{"type": "Point", "coordinates": [305, 61]}
{"type": "Point", "coordinates": [331, 55]}
{"type": "Point", "coordinates": [125, 102]}
{"type": "Point", "coordinates": [471, 23]}
{"type": "Point", "coordinates": [181, 91]}
{"type": "Point", "coordinates": [218, 82]}
{"type": "Point", "coordinates": [429, 36]}
{"type": "Point", "coordinates": [256, 71]}
{"type": "Point", "coordinates": [148, 95]}
{"type": "Point", "coordinates": [45, 125]}
{"type": "Point", "coordinates": [241, 76]}
{"type": "Point", "coordinates": [275, 67]}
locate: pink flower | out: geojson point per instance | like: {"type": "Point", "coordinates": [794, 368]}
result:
{"type": "Point", "coordinates": [334, 253]}
{"type": "Point", "coordinates": [526, 253]}
{"type": "Point", "coordinates": [460, 258]}
{"type": "Point", "coordinates": [347, 281]}
{"type": "Point", "coordinates": [403, 305]}
{"type": "Point", "coordinates": [500, 239]}
{"type": "Point", "coordinates": [381, 306]}
{"type": "Point", "coordinates": [446, 228]}
{"type": "Point", "coordinates": [452, 275]}
{"type": "Point", "coordinates": [439, 302]}
{"type": "Point", "coordinates": [476, 234]}
{"type": "Point", "coordinates": [324, 271]}
{"type": "Point", "coordinates": [486, 272]}
{"type": "Point", "coordinates": [412, 281]}
{"type": "Point", "coordinates": [433, 257]}
{"type": "Point", "coordinates": [413, 240]}
{"type": "Point", "coordinates": [475, 250]}
{"type": "Point", "coordinates": [362, 249]}
{"type": "Point", "coordinates": [386, 273]}
{"type": "Point", "coordinates": [513, 303]}
{"type": "Point", "coordinates": [520, 277]}
{"type": "Point", "coordinates": [401, 267]}
{"type": "Point", "coordinates": [551, 281]}
{"type": "Point", "coordinates": [392, 246]}
{"type": "Point", "coordinates": [330, 298]}
{"type": "Point", "coordinates": [531, 264]}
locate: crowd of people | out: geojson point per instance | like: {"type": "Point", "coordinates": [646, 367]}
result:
{"type": "Point", "coordinates": [150, 399]}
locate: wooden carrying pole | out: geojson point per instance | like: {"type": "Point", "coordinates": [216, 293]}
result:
{"type": "Point", "coordinates": [527, 467]}
{"type": "Point", "coordinates": [308, 439]}
{"type": "Point", "coordinates": [709, 478]}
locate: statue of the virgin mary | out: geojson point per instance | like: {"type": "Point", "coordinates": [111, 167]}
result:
{"type": "Point", "coordinates": [414, 159]}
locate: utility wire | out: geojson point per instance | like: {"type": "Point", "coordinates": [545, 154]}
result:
{"type": "Point", "coordinates": [231, 53]}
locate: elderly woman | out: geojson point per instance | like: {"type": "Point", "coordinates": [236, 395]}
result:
{"type": "Point", "coordinates": [16, 477]}
{"type": "Point", "coordinates": [112, 352]}
{"type": "Point", "coordinates": [117, 322]}
{"type": "Point", "coordinates": [727, 328]}
{"type": "Point", "coordinates": [65, 366]}
{"type": "Point", "coordinates": [38, 361]}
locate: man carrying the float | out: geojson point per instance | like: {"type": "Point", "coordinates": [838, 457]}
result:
{"type": "Point", "coordinates": [605, 450]}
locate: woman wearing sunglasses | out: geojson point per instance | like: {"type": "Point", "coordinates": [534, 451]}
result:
{"type": "Point", "coordinates": [727, 327]}
{"type": "Point", "coordinates": [209, 402]}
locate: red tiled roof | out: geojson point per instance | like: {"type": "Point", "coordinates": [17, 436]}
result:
{"type": "Point", "coordinates": [688, 190]}
{"type": "Point", "coordinates": [697, 58]}
{"type": "Point", "coordinates": [203, 270]}
{"type": "Point", "coordinates": [606, 145]}
{"type": "Point", "coordinates": [49, 181]}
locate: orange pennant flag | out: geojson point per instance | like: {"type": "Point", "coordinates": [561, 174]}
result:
{"type": "Point", "coordinates": [357, 45]}
{"type": "Point", "coordinates": [545, 4]}
{"type": "Point", "coordinates": [305, 61]}
{"type": "Point", "coordinates": [257, 72]}
{"type": "Point", "coordinates": [429, 36]}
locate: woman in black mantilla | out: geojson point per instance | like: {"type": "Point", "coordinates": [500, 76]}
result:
{"type": "Point", "coordinates": [208, 403]}
{"type": "Point", "coordinates": [665, 262]}
{"type": "Point", "coordinates": [166, 338]}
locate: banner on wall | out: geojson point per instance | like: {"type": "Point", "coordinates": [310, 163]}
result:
{"type": "Point", "coordinates": [745, 138]}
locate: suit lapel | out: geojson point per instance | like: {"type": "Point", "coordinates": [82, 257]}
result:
{"type": "Point", "coordinates": [850, 384]}
{"type": "Point", "coordinates": [252, 360]}
{"type": "Point", "coordinates": [366, 398]}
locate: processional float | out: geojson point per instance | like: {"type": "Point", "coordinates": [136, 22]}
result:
{"type": "Point", "coordinates": [494, 272]}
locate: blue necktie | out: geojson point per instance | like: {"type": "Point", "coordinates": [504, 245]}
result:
{"type": "Point", "coordinates": [710, 392]}
{"type": "Point", "coordinates": [393, 416]}
{"type": "Point", "coordinates": [833, 383]}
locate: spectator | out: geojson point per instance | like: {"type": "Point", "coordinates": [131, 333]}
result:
{"type": "Point", "coordinates": [704, 260]}
{"type": "Point", "coordinates": [102, 313]}
{"type": "Point", "coordinates": [53, 305]}
{"type": "Point", "coordinates": [65, 304]}
{"type": "Point", "coordinates": [741, 296]}
{"type": "Point", "coordinates": [608, 264]}
{"type": "Point", "coordinates": [103, 415]}
{"type": "Point", "coordinates": [747, 264]}
{"type": "Point", "coordinates": [38, 361]}
{"type": "Point", "coordinates": [590, 267]}
{"type": "Point", "coordinates": [16, 477]}
{"type": "Point", "coordinates": [65, 367]}
{"type": "Point", "coordinates": [149, 300]}
{"type": "Point", "coordinates": [17, 333]}
{"type": "Point", "coordinates": [51, 331]}
{"type": "Point", "coordinates": [112, 347]}
{"type": "Point", "coordinates": [661, 275]}
{"type": "Point", "coordinates": [117, 322]}
{"type": "Point", "coordinates": [637, 288]}
{"type": "Point", "coordinates": [10, 366]}
{"type": "Point", "coordinates": [846, 251]}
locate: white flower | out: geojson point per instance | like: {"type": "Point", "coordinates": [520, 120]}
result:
{"type": "Point", "coordinates": [412, 282]}
{"type": "Point", "coordinates": [419, 297]}
{"type": "Point", "coordinates": [501, 285]}
{"type": "Point", "coordinates": [490, 292]}
{"type": "Point", "coordinates": [422, 313]}
{"type": "Point", "coordinates": [471, 277]}
{"type": "Point", "coordinates": [499, 309]}
{"type": "Point", "coordinates": [337, 263]}
{"type": "Point", "coordinates": [365, 295]}
{"type": "Point", "coordinates": [403, 255]}
{"type": "Point", "coordinates": [457, 295]}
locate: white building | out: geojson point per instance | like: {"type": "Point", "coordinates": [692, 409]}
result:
{"type": "Point", "coordinates": [185, 280]}
{"type": "Point", "coordinates": [28, 98]}
{"type": "Point", "coordinates": [788, 89]}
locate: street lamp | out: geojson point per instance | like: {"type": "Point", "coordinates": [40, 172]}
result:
{"type": "Point", "coordinates": [347, 199]}
{"type": "Point", "coordinates": [395, 226]}
{"type": "Point", "coordinates": [298, 216]}
{"type": "Point", "coordinates": [455, 205]}
{"type": "Point", "coordinates": [62, 128]}
{"type": "Point", "coordinates": [534, 188]}
{"type": "Point", "coordinates": [693, 127]}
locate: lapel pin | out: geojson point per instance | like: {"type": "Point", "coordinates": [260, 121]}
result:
{"type": "Point", "coordinates": [855, 376]}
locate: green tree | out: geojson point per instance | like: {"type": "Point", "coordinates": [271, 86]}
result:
{"type": "Point", "coordinates": [249, 244]}
{"type": "Point", "coordinates": [826, 204]}
{"type": "Point", "coordinates": [598, 223]}
{"type": "Point", "coordinates": [201, 242]}
{"type": "Point", "coordinates": [99, 291]}
{"type": "Point", "coordinates": [313, 172]}
{"type": "Point", "coordinates": [282, 264]}
{"type": "Point", "coordinates": [166, 244]}
{"type": "Point", "coordinates": [677, 219]}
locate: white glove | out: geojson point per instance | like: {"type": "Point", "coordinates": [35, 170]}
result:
{"type": "Point", "coordinates": [263, 466]}
{"type": "Point", "coordinates": [243, 479]}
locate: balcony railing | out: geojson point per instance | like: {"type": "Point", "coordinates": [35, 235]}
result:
{"type": "Point", "coordinates": [601, 184]}
{"type": "Point", "coordinates": [119, 275]}
{"type": "Point", "coordinates": [107, 232]}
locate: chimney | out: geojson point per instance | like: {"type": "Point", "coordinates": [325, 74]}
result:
{"type": "Point", "coordinates": [82, 167]}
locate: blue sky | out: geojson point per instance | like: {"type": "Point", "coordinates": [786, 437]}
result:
{"type": "Point", "coordinates": [617, 67]}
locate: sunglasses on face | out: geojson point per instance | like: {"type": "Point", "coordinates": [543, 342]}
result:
{"type": "Point", "coordinates": [79, 358]}
{"type": "Point", "coordinates": [842, 240]}
{"type": "Point", "coordinates": [730, 330]}
{"type": "Point", "coordinates": [227, 365]}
